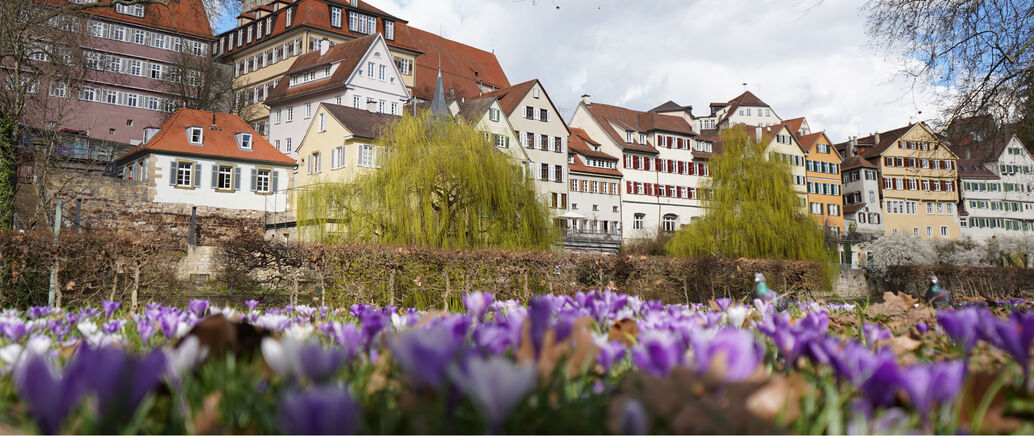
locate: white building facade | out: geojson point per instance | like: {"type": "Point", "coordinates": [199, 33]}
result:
{"type": "Point", "coordinates": [997, 190]}
{"type": "Point", "coordinates": [359, 73]}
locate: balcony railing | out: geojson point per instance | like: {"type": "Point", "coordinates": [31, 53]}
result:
{"type": "Point", "coordinates": [590, 235]}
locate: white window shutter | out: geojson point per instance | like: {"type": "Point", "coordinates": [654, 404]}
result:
{"type": "Point", "coordinates": [254, 178]}
{"type": "Point", "coordinates": [172, 173]}
{"type": "Point", "coordinates": [274, 183]}
{"type": "Point", "coordinates": [236, 178]}
{"type": "Point", "coordinates": [197, 175]}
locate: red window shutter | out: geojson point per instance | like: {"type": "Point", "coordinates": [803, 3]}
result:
{"type": "Point", "coordinates": [671, 166]}
{"type": "Point", "coordinates": [638, 162]}
{"type": "Point", "coordinates": [658, 163]}
{"type": "Point", "coordinates": [888, 161]}
{"type": "Point", "coordinates": [679, 143]}
{"type": "Point", "coordinates": [669, 141]}
{"type": "Point", "coordinates": [660, 140]}
{"type": "Point", "coordinates": [899, 144]}
{"type": "Point", "coordinates": [628, 186]}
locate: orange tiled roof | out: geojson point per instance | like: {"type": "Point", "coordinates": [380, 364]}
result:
{"type": "Point", "coordinates": [794, 124]}
{"type": "Point", "coordinates": [510, 98]}
{"type": "Point", "coordinates": [464, 68]}
{"type": "Point", "coordinates": [183, 16]}
{"type": "Point", "coordinates": [316, 14]}
{"type": "Point", "coordinates": [645, 122]}
{"type": "Point", "coordinates": [348, 53]}
{"type": "Point", "coordinates": [217, 142]}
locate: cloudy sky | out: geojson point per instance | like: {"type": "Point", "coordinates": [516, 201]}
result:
{"type": "Point", "coordinates": [802, 57]}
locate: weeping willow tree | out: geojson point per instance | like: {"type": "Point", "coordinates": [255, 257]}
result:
{"type": "Point", "coordinates": [753, 211]}
{"type": "Point", "coordinates": [440, 183]}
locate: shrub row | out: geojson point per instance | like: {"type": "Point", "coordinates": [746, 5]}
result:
{"type": "Point", "coordinates": [91, 266]}
{"type": "Point", "coordinates": [993, 283]}
{"type": "Point", "coordinates": [426, 278]}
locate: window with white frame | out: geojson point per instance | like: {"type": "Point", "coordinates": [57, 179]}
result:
{"type": "Point", "coordinates": [308, 110]}
{"type": "Point", "coordinates": [335, 16]}
{"type": "Point", "coordinates": [669, 221]}
{"type": "Point", "coordinates": [244, 141]}
{"type": "Point", "coordinates": [263, 179]}
{"type": "Point", "coordinates": [357, 102]}
{"type": "Point", "coordinates": [58, 89]}
{"type": "Point", "coordinates": [322, 122]}
{"type": "Point", "coordinates": [637, 221]}
{"type": "Point", "coordinates": [337, 157]}
{"type": "Point", "coordinates": [184, 174]}
{"type": "Point", "coordinates": [195, 135]}
{"type": "Point", "coordinates": [367, 156]}
{"type": "Point", "coordinates": [389, 30]}
{"type": "Point", "coordinates": [315, 164]}
{"type": "Point", "coordinates": [224, 177]}
{"type": "Point", "coordinates": [290, 114]}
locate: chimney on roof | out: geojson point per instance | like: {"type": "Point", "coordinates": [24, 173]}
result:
{"type": "Point", "coordinates": [149, 133]}
{"type": "Point", "coordinates": [324, 46]}
{"type": "Point", "coordinates": [876, 138]}
{"type": "Point", "coordinates": [371, 105]}
{"type": "Point", "coordinates": [757, 133]}
{"type": "Point", "coordinates": [586, 100]}
{"type": "Point", "coordinates": [849, 150]}
{"type": "Point", "coordinates": [213, 119]}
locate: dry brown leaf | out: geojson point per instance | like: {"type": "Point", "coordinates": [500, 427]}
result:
{"type": "Point", "coordinates": [995, 420]}
{"type": "Point", "coordinates": [206, 420]}
{"type": "Point", "coordinates": [781, 395]}
{"type": "Point", "coordinates": [900, 345]}
{"type": "Point", "coordinates": [626, 331]}
{"type": "Point", "coordinates": [892, 305]}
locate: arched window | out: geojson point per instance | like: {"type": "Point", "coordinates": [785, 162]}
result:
{"type": "Point", "coordinates": [669, 222]}
{"type": "Point", "coordinates": [637, 221]}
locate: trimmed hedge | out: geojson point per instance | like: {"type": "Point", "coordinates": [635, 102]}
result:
{"type": "Point", "coordinates": [992, 283]}
{"type": "Point", "coordinates": [423, 278]}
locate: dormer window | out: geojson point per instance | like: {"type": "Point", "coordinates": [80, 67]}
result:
{"type": "Point", "coordinates": [642, 138]}
{"type": "Point", "coordinates": [628, 136]}
{"type": "Point", "coordinates": [195, 135]}
{"type": "Point", "coordinates": [244, 141]}
{"type": "Point", "coordinates": [389, 30]}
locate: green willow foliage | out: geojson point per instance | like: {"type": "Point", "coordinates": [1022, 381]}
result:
{"type": "Point", "coordinates": [753, 211]}
{"type": "Point", "coordinates": [440, 184]}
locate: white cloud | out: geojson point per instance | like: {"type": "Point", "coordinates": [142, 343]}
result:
{"type": "Point", "coordinates": [805, 57]}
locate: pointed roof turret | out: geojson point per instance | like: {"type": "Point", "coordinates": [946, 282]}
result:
{"type": "Point", "coordinates": [438, 105]}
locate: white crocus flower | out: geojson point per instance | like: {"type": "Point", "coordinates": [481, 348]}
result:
{"type": "Point", "coordinates": [737, 315]}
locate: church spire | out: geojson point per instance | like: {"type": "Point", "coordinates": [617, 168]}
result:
{"type": "Point", "coordinates": [439, 108]}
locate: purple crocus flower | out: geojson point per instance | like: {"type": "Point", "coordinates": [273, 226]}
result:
{"type": "Point", "coordinates": [962, 325]}
{"type": "Point", "coordinates": [477, 303]}
{"type": "Point", "coordinates": [145, 328]}
{"type": "Point", "coordinates": [425, 353]}
{"type": "Point", "coordinates": [922, 328]}
{"type": "Point", "coordinates": [15, 329]}
{"type": "Point", "coordinates": [723, 303]}
{"type": "Point", "coordinates": [318, 363]}
{"type": "Point", "coordinates": [927, 384]}
{"type": "Point", "coordinates": [494, 339]}
{"type": "Point", "coordinates": [495, 384]}
{"type": "Point", "coordinates": [198, 307]}
{"type": "Point", "coordinates": [37, 312]}
{"type": "Point", "coordinates": [119, 380]}
{"type": "Point", "coordinates": [737, 347]}
{"type": "Point", "coordinates": [1014, 336]}
{"type": "Point", "coordinates": [320, 410]}
{"type": "Point", "coordinates": [112, 326]}
{"type": "Point", "coordinates": [323, 311]}
{"type": "Point", "coordinates": [345, 335]}
{"type": "Point", "coordinates": [372, 322]}
{"type": "Point", "coordinates": [610, 352]}
{"type": "Point", "coordinates": [109, 307]}
{"type": "Point", "coordinates": [251, 304]}
{"type": "Point", "coordinates": [873, 333]}
{"type": "Point", "coordinates": [49, 396]}
{"type": "Point", "coordinates": [657, 353]}
{"type": "Point", "coordinates": [540, 310]}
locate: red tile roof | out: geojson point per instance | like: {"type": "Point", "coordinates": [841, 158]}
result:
{"type": "Point", "coordinates": [316, 14]}
{"type": "Point", "coordinates": [988, 150]}
{"type": "Point", "coordinates": [746, 99]}
{"type": "Point", "coordinates": [868, 148]}
{"type": "Point", "coordinates": [348, 53]}
{"type": "Point", "coordinates": [644, 122]}
{"type": "Point", "coordinates": [183, 16]}
{"type": "Point", "coordinates": [855, 162]}
{"type": "Point", "coordinates": [852, 208]}
{"type": "Point", "coordinates": [794, 124]}
{"type": "Point", "coordinates": [218, 140]}
{"type": "Point", "coordinates": [579, 145]}
{"type": "Point", "coordinates": [975, 169]}
{"type": "Point", "coordinates": [510, 98]}
{"type": "Point", "coordinates": [362, 123]}
{"type": "Point", "coordinates": [464, 68]}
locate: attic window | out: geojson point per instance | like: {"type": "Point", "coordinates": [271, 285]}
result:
{"type": "Point", "coordinates": [389, 30]}
{"type": "Point", "coordinates": [195, 135]}
{"type": "Point", "coordinates": [244, 141]}
{"type": "Point", "coordinates": [535, 93]}
{"type": "Point", "coordinates": [628, 136]}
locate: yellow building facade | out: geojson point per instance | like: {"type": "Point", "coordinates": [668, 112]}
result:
{"type": "Point", "coordinates": [919, 187]}
{"type": "Point", "coordinates": [825, 196]}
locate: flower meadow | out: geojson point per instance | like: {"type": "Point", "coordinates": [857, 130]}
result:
{"type": "Point", "coordinates": [597, 362]}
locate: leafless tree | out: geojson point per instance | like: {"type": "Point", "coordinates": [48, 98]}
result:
{"type": "Point", "coordinates": [200, 82]}
{"type": "Point", "coordinates": [982, 48]}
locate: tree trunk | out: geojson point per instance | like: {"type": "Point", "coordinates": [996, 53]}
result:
{"type": "Point", "coordinates": [294, 289]}
{"type": "Point", "coordinates": [391, 288]}
{"type": "Point", "coordinates": [323, 291]}
{"type": "Point", "coordinates": [114, 284]}
{"type": "Point", "coordinates": [136, 287]}
{"type": "Point", "coordinates": [447, 290]}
